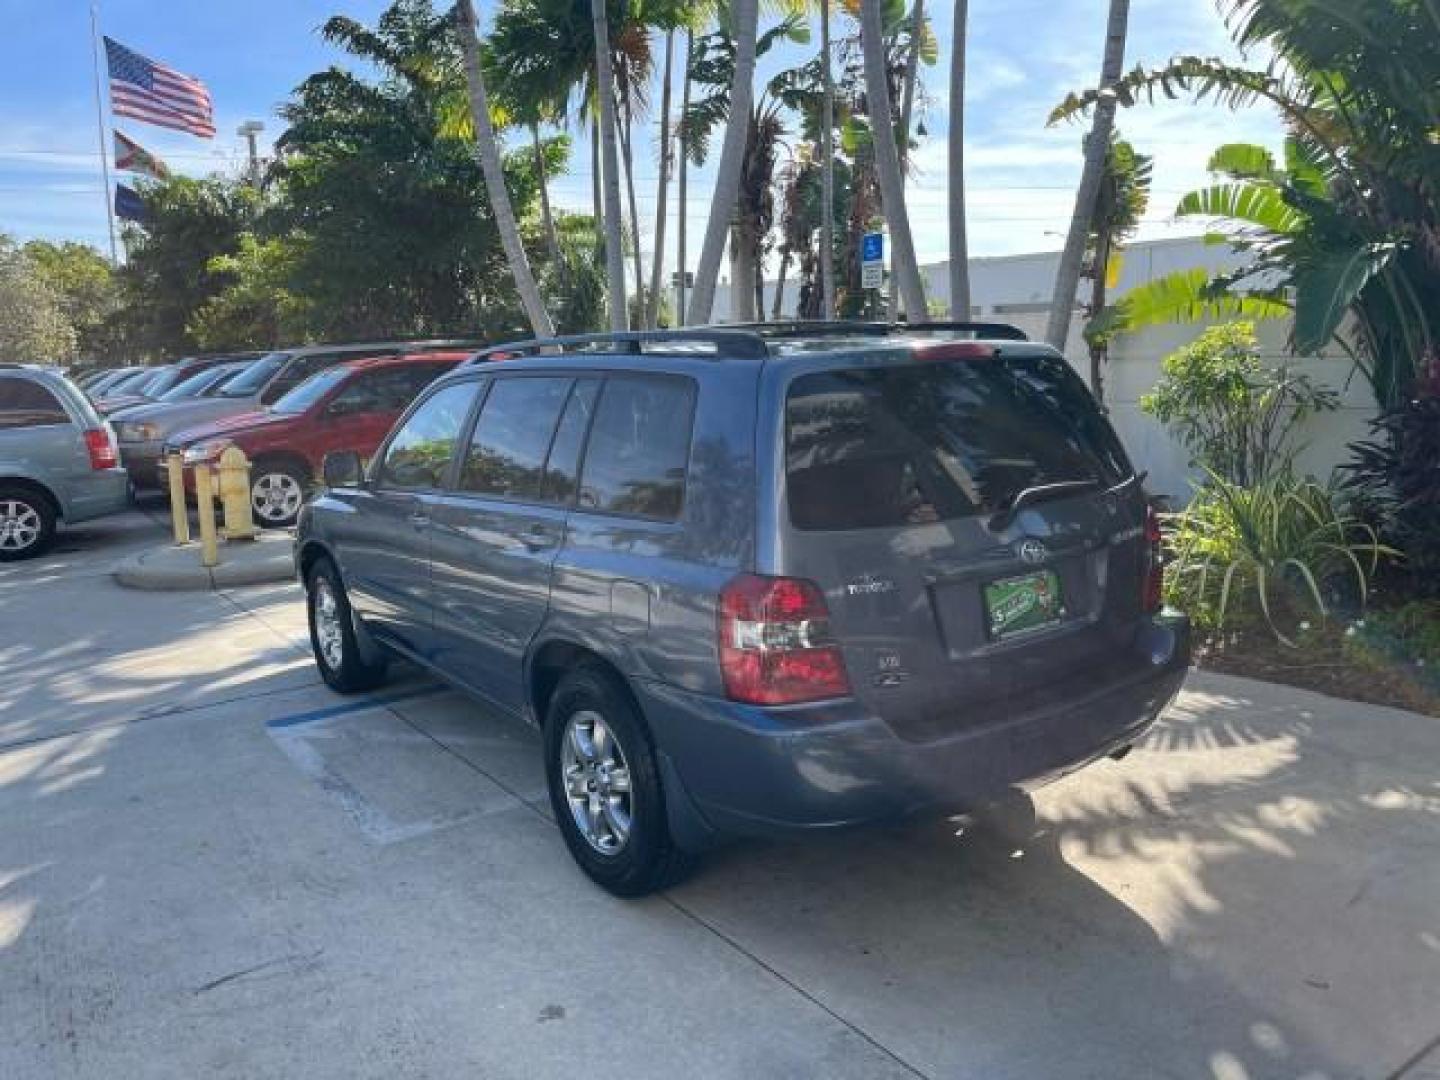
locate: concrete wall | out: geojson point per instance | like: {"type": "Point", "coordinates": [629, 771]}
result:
{"type": "Point", "coordinates": [1016, 289]}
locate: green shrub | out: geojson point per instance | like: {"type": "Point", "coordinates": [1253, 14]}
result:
{"type": "Point", "coordinates": [1406, 638]}
{"type": "Point", "coordinates": [1271, 552]}
{"type": "Point", "coordinates": [1236, 417]}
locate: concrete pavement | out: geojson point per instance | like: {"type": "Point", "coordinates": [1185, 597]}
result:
{"type": "Point", "coordinates": [211, 865]}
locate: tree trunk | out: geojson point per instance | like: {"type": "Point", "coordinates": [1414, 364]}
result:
{"type": "Point", "coordinates": [596, 203]}
{"type": "Point", "coordinates": [959, 243]}
{"type": "Point", "coordinates": [1097, 146]}
{"type": "Point", "coordinates": [657, 257]}
{"type": "Point", "coordinates": [683, 210]}
{"type": "Point", "coordinates": [907, 110]}
{"type": "Point", "coordinates": [552, 238]}
{"type": "Point", "coordinates": [614, 244]}
{"type": "Point", "coordinates": [626, 129]}
{"type": "Point", "coordinates": [742, 275]}
{"type": "Point", "coordinates": [827, 170]}
{"type": "Point", "coordinates": [489, 154]}
{"type": "Point", "coordinates": [1098, 349]}
{"type": "Point", "coordinates": [887, 161]}
{"type": "Point", "coordinates": [780, 285]}
{"type": "Point", "coordinates": [746, 14]}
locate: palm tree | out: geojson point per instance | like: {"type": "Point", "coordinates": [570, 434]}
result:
{"type": "Point", "coordinates": [959, 244]}
{"type": "Point", "coordinates": [1097, 145]}
{"type": "Point", "coordinates": [657, 260]}
{"type": "Point", "coordinates": [887, 160]}
{"type": "Point", "coordinates": [919, 31]}
{"type": "Point", "coordinates": [682, 194]}
{"type": "Point", "coordinates": [489, 154]}
{"type": "Point", "coordinates": [610, 183]}
{"type": "Point", "coordinates": [827, 168]}
{"type": "Point", "coordinates": [745, 16]}
{"type": "Point", "coordinates": [1350, 222]}
{"type": "Point", "coordinates": [1124, 197]}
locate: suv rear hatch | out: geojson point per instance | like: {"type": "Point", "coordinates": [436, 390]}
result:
{"type": "Point", "coordinates": [976, 528]}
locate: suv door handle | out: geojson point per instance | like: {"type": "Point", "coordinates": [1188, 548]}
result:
{"type": "Point", "coordinates": [537, 537]}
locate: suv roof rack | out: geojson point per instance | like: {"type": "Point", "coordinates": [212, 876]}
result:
{"type": "Point", "coordinates": [742, 340]}
{"type": "Point", "coordinates": [738, 342]}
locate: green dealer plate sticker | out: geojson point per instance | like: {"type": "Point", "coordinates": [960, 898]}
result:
{"type": "Point", "coordinates": [1019, 605]}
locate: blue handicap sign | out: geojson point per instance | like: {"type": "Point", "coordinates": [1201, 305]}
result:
{"type": "Point", "coordinates": [872, 247]}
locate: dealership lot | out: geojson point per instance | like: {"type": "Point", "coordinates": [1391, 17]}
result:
{"type": "Point", "coordinates": [211, 865]}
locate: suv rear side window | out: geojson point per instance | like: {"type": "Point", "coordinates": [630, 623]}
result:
{"type": "Point", "coordinates": [28, 404]}
{"type": "Point", "coordinates": [639, 447]}
{"type": "Point", "coordinates": [512, 437]}
{"type": "Point", "coordinates": [892, 446]}
{"type": "Point", "coordinates": [420, 453]}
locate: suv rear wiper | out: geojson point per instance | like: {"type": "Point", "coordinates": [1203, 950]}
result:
{"type": "Point", "coordinates": [1039, 493]}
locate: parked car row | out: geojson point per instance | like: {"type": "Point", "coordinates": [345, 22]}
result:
{"type": "Point", "coordinates": [61, 459]}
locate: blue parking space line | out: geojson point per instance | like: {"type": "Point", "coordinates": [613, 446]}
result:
{"type": "Point", "coordinates": [296, 719]}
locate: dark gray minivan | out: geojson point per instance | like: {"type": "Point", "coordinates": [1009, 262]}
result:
{"type": "Point", "coordinates": [749, 581]}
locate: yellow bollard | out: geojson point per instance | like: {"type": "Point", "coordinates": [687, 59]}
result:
{"type": "Point", "coordinates": [235, 496]}
{"type": "Point", "coordinates": [205, 495]}
{"type": "Point", "coordinates": [179, 517]}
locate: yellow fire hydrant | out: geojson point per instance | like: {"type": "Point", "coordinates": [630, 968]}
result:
{"type": "Point", "coordinates": [235, 495]}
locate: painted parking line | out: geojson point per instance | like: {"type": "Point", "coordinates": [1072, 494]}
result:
{"type": "Point", "coordinates": [359, 705]}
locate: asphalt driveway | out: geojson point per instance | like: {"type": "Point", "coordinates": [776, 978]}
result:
{"type": "Point", "coordinates": [212, 866]}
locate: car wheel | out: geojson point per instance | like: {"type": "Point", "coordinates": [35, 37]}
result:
{"type": "Point", "coordinates": [277, 491]}
{"type": "Point", "coordinates": [27, 523]}
{"type": "Point", "coordinates": [332, 634]}
{"type": "Point", "coordinates": [605, 786]}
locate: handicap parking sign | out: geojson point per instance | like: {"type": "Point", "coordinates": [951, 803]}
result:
{"type": "Point", "coordinates": [872, 247]}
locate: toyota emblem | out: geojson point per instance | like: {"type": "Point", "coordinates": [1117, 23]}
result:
{"type": "Point", "coordinates": [1033, 552]}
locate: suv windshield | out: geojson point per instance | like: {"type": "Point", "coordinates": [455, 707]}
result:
{"type": "Point", "coordinates": [310, 391]}
{"type": "Point", "coordinates": [892, 446]}
{"type": "Point", "coordinates": [253, 379]}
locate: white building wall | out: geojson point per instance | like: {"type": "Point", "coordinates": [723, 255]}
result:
{"type": "Point", "coordinates": [1016, 289]}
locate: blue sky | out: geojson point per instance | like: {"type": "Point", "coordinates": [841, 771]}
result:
{"type": "Point", "coordinates": [1024, 56]}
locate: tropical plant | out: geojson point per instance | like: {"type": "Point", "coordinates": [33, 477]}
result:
{"type": "Point", "coordinates": [743, 24]}
{"type": "Point", "coordinates": [1351, 223]}
{"type": "Point", "coordinates": [1277, 550]}
{"type": "Point", "coordinates": [712, 72]}
{"type": "Point", "coordinates": [488, 151]}
{"type": "Point", "coordinates": [1237, 418]}
{"type": "Point", "coordinates": [1097, 147]}
{"type": "Point", "coordinates": [85, 283]}
{"type": "Point", "coordinates": [887, 160]}
{"type": "Point", "coordinates": [257, 308]}
{"type": "Point", "coordinates": [1395, 478]}
{"type": "Point", "coordinates": [955, 158]}
{"type": "Point", "coordinates": [33, 324]}
{"type": "Point", "coordinates": [1123, 199]}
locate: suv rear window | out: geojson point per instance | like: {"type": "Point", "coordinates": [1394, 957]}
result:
{"type": "Point", "coordinates": [28, 404]}
{"type": "Point", "coordinates": [908, 445]}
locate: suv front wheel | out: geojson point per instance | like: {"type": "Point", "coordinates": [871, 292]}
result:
{"type": "Point", "coordinates": [332, 633]}
{"type": "Point", "coordinates": [605, 786]}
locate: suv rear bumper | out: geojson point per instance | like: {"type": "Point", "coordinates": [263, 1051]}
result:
{"type": "Point", "coordinates": [749, 771]}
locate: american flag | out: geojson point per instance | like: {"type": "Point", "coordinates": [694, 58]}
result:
{"type": "Point", "coordinates": [156, 94]}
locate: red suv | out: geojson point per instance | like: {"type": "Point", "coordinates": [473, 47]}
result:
{"type": "Point", "coordinates": [347, 407]}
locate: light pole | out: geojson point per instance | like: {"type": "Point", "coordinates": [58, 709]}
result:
{"type": "Point", "coordinates": [247, 131]}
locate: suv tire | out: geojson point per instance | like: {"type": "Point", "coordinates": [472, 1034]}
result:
{"type": "Point", "coordinates": [277, 492]}
{"type": "Point", "coordinates": [27, 523]}
{"type": "Point", "coordinates": [604, 784]}
{"type": "Point", "coordinates": [332, 633]}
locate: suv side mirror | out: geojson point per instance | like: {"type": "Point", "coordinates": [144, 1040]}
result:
{"type": "Point", "coordinates": [341, 469]}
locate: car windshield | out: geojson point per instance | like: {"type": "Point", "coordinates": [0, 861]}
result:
{"type": "Point", "coordinates": [162, 382]}
{"type": "Point", "coordinates": [894, 446]}
{"type": "Point", "coordinates": [129, 382]}
{"type": "Point", "coordinates": [253, 379]}
{"type": "Point", "coordinates": [195, 384]}
{"type": "Point", "coordinates": [310, 391]}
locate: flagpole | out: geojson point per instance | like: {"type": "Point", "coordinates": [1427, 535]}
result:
{"type": "Point", "coordinates": [100, 128]}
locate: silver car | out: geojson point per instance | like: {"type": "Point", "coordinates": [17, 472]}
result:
{"type": "Point", "coordinates": [58, 460]}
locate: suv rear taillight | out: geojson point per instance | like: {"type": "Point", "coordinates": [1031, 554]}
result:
{"type": "Point", "coordinates": [1154, 563]}
{"type": "Point", "coordinates": [775, 642]}
{"type": "Point", "coordinates": [101, 448]}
